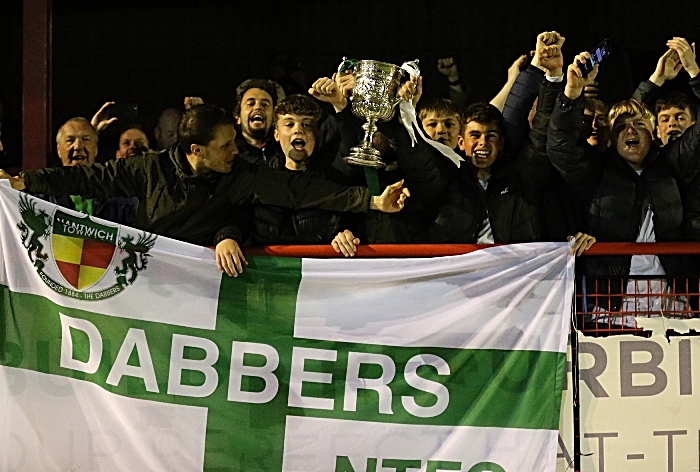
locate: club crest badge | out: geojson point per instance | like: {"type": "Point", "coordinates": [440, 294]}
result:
{"type": "Point", "coordinates": [78, 257]}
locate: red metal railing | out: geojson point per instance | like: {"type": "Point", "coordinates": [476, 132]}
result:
{"type": "Point", "coordinates": [436, 250]}
{"type": "Point", "coordinates": [611, 305]}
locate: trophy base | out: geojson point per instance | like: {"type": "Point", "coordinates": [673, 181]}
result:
{"type": "Point", "coordinates": [365, 157]}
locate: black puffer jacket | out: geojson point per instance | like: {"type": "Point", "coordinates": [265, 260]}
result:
{"type": "Point", "coordinates": [614, 197]}
{"type": "Point", "coordinates": [201, 209]}
{"type": "Point", "coordinates": [519, 103]}
{"type": "Point", "coordinates": [561, 212]}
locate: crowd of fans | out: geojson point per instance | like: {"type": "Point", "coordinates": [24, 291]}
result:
{"type": "Point", "coordinates": [545, 160]}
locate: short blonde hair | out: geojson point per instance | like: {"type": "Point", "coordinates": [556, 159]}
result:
{"type": "Point", "coordinates": [631, 108]}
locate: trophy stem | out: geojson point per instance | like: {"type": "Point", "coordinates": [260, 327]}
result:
{"type": "Point", "coordinates": [370, 128]}
{"type": "Point", "coordinates": [366, 154]}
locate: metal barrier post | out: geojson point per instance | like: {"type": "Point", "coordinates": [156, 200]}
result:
{"type": "Point", "coordinates": [575, 378]}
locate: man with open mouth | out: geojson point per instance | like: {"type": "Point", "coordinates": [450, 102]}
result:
{"type": "Point", "coordinates": [675, 112]}
{"type": "Point", "coordinates": [296, 130]}
{"type": "Point", "coordinates": [254, 115]}
{"type": "Point", "coordinates": [77, 145]}
{"type": "Point", "coordinates": [76, 142]}
{"type": "Point", "coordinates": [496, 196]}
{"type": "Point", "coordinates": [632, 191]}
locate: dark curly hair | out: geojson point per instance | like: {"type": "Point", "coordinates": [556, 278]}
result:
{"type": "Point", "coordinates": [268, 86]}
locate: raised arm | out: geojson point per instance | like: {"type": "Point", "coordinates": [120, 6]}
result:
{"type": "Point", "coordinates": [336, 91]}
{"type": "Point", "coordinates": [667, 68]}
{"type": "Point", "coordinates": [680, 55]}
{"type": "Point", "coordinates": [687, 57]}
{"type": "Point", "coordinates": [499, 101]}
{"type": "Point", "coordinates": [333, 90]}
{"type": "Point", "coordinates": [296, 190]}
{"type": "Point", "coordinates": [101, 120]}
{"type": "Point", "coordinates": [565, 146]}
{"type": "Point", "coordinates": [549, 89]}
{"type": "Point", "coordinates": [547, 59]}
{"type": "Point", "coordinates": [116, 178]}
{"type": "Point", "coordinates": [459, 92]}
{"type": "Point", "coordinates": [535, 168]}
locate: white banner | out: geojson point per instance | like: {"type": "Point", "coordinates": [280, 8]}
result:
{"type": "Point", "coordinates": [639, 402]}
{"type": "Point", "coordinates": [123, 350]}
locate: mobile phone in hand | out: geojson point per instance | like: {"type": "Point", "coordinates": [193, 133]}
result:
{"type": "Point", "coordinates": [598, 55]}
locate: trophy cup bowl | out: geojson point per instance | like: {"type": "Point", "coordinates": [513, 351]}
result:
{"type": "Point", "coordinates": [374, 99]}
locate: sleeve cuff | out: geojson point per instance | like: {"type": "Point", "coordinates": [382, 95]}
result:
{"type": "Point", "coordinates": [228, 233]}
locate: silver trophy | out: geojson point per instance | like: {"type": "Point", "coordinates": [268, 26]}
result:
{"type": "Point", "coordinates": [374, 99]}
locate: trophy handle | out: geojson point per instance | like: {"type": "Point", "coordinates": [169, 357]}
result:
{"type": "Point", "coordinates": [411, 67]}
{"type": "Point", "coordinates": [347, 65]}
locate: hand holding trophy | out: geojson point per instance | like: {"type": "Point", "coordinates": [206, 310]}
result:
{"type": "Point", "coordinates": [374, 99]}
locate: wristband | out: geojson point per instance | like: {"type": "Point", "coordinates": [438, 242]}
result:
{"type": "Point", "coordinates": [456, 82]}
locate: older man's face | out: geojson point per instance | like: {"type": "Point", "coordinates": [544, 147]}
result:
{"type": "Point", "coordinates": [77, 144]}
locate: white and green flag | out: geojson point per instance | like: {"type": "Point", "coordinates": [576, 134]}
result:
{"type": "Point", "coordinates": [124, 351]}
